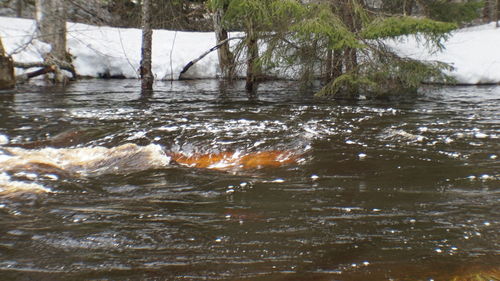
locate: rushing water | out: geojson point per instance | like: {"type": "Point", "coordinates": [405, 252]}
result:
{"type": "Point", "coordinates": [379, 190]}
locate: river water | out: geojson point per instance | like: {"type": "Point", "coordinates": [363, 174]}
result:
{"type": "Point", "coordinates": [377, 190]}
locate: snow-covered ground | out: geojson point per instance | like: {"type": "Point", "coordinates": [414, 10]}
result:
{"type": "Point", "coordinates": [115, 51]}
{"type": "Point", "coordinates": [474, 52]}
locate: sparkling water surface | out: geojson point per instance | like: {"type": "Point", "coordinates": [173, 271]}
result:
{"type": "Point", "coordinates": [405, 189]}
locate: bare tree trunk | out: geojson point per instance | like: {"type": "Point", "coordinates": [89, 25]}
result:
{"type": "Point", "coordinates": [329, 66]}
{"type": "Point", "coordinates": [337, 64]}
{"type": "Point", "coordinates": [226, 58]}
{"type": "Point", "coordinates": [408, 7]}
{"type": "Point", "coordinates": [51, 24]}
{"type": "Point", "coordinates": [2, 50]}
{"type": "Point", "coordinates": [19, 8]}
{"type": "Point", "coordinates": [497, 7]}
{"type": "Point", "coordinates": [333, 64]}
{"type": "Point", "coordinates": [490, 11]}
{"type": "Point", "coordinates": [350, 54]}
{"type": "Point", "coordinates": [146, 50]}
{"type": "Point", "coordinates": [7, 78]}
{"type": "Point", "coordinates": [253, 69]}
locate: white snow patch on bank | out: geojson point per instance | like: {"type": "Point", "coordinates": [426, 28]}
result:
{"type": "Point", "coordinates": [473, 52]}
{"type": "Point", "coordinates": [99, 50]}
{"type": "Point", "coordinates": [116, 51]}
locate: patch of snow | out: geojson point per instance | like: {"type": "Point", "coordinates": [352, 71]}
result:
{"type": "Point", "coordinates": [473, 52]}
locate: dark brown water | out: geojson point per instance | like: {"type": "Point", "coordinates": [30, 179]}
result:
{"type": "Point", "coordinates": [385, 190]}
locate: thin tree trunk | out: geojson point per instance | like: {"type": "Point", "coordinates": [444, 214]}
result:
{"type": "Point", "coordinates": [329, 66]}
{"type": "Point", "coordinates": [19, 8]}
{"type": "Point", "coordinates": [408, 7]}
{"type": "Point", "coordinates": [51, 24]}
{"type": "Point", "coordinates": [7, 78]}
{"type": "Point", "coordinates": [350, 54]}
{"type": "Point", "coordinates": [497, 7]}
{"type": "Point", "coordinates": [146, 50]}
{"type": "Point", "coordinates": [337, 64]}
{"type": "Point", "coordinates": [253, 70]}
{"type": "Point", "coordinates": [226, 58]}
{"type": "Point", "coordinates": [490, 10]}
{"type": "Point", "coordinates": [2, 50]}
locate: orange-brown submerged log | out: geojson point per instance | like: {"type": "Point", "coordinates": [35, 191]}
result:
{"type": "Point", "coordinates": [228, 160]}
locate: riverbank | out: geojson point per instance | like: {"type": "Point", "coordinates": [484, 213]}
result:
{"type": "Point", "coordinates": [115, 52]}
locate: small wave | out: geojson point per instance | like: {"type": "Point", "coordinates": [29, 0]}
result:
{"type": "Point", "coordinates": [4, 139]}
{"type": "Point", "coordinates": [34, 165]}
{"type": "Point", "coordinates": [399, 134]}
{"type": "Point", "coordinates": [85, 161]}
{"type": "Point", "coordinates": [9, 186]}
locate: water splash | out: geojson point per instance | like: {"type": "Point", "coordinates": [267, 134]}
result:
{"type": "Point", "coordinates": [76, 162]}
{"type": "Point", "coordinates": [8, 186]}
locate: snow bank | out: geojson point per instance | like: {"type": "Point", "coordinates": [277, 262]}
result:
{"type": "Point", "coordinates": [473, 52]}
{"type": "Point", "coordinates": [101, 51]}
{"type": "Point", "coordinates": [116, 51]}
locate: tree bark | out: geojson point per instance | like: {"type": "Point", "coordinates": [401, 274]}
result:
{"type": "Point", "coordinates": [490, 11]}
{"type": "Point", "coordinates": [337, 64]}
{"type": "Point", "coordinates": [216, 47]}
{"type": "Point", "coordinates": [7, 78]}
{"type": "Point", "coordinates": [329, 66]}
{"type": "Point", "coordinates": [19, 8]}
{"type": "Point", "coordinates": [497, 7]}
{"type": "Point", "coordinates": [146, 50]}
{"type": "Point", "coordinates": [253, 69]}
{"type": "Point", "coordinates": [350, 54]}
{"type": "Point", "coordinates": [408, 7]}
{"type": "Point", "coordinates": [51, 25]}
{"type": "Point", "coordinates": [226, 58]}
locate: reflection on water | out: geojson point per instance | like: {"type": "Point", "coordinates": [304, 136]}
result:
{"type": "Point", "coordinates": [374, 190]}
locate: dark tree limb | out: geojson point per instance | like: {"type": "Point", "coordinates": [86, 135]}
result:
{"type": "Point", "coordinates": [28, 75]}
{"type": "Point", "coordinates": [191, 63]}
{"type": "Point", "coordinates": [62, 65]}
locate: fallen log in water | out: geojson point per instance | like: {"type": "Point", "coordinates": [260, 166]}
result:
{"type": "Point", "coordinates": [237, 160]}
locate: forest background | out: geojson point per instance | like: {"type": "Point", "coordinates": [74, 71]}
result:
{"type": "Point", "coordinates": [339, 42]}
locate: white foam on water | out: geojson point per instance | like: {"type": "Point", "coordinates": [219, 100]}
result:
{"type": "Point", "coordinates": [87, 161]}
{"type": "Point", "coordinates": [9, 186]}
{"type": "Point", "coordinates": [4, 139]}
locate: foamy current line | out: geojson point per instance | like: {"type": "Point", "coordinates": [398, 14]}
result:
{"type": "Point", "coordinates": [84, 161]}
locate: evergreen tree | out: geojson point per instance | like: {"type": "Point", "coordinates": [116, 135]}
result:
{"type": "Point", "coordinates": [451, 11]}
{"type": "Point", "coordinates": [341, 40]}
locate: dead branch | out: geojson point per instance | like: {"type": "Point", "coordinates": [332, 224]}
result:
{"type": "Point", "coordinates": [191, 63]}
{"type": "Point", "coordinates": [28, 75]}
{"type": "Point", "coordinates": [62, 65]}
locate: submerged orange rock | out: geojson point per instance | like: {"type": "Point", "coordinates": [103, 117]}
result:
{"type": "Point", "coordinates": [228, 160]}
